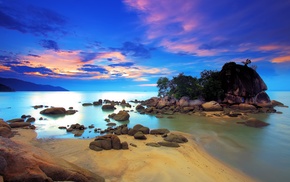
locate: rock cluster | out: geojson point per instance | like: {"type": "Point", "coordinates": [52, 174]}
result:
{"type": "Point", "coordinates": [77, 129]}
{"type": "Point", "coordinates": [108, 142]}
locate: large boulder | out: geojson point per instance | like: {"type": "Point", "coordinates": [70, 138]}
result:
{"type": "Point", "coordinates": [241, 83]}
{"type": "Point", "coordinates": [212, 106]}
{"type": "Point", "coordinates": [53, 110]}
{"type": "Point", "coordinates": [196, 102]}
{"type": "Point", "coordinates": [27, 163]}
{"type": "Point", "coordinates": [175, 138]}
{"type": "Point", "coordinates": [263, 100]}
{"type": "Point", "coordinates": [15, 120]}
{"type": "Point", "coordinates": [108, 107]}
{"type": "Point", "coordinates": [184, 102]}
{"type": "Point", "coordinates": [107, 142]}
{"type": "Point", "coordinates": [19, 124]}
{"type": "Point", "coordinates": [5, 129]}
{"type": "Point", "coordinates": [160, 131]}
{"type": "Point", "coordinates": [121, 116]}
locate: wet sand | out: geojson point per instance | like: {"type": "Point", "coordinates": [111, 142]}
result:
{"type": "Point", "coordinates": [142, 163]}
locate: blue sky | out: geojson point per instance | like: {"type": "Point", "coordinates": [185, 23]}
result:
{"type": "Point", "coordinates": [129, 44]}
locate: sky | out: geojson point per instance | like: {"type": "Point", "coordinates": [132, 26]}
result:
{"type": "Point", "coordinates": [127, 45]}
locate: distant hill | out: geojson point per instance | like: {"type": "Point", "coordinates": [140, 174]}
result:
{"type": "Point", "coordinates": [20, 85]}
{"type": "Point", "coordinates": [4, 88]}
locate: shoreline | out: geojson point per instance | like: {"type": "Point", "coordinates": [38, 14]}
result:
{"type": "Point", "coordinates": [190, 162]}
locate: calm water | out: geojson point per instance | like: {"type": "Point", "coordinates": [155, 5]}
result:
{"type": "Point", "coordinates": [261, 153]}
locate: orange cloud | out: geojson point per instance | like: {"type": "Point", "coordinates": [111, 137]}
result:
{"type": "Point", "coordinates": [281, 59]}
{"type": "Point", "coordinates": [4, 68]}
{"type": "Point", "coordinates": [269, 47]}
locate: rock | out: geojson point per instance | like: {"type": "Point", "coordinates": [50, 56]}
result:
{"type": "Point", "coordinates": [253, 122]}
{"type": "Point", "coordinates": [125, 145]}
{"type": "Point", "coordinates": [169, 144]}
{"type": "Point", "coordinates": [6, 132]}
{"type": "Point", "coordinates": [54, 110]}
{"type": "Point", "coordinates": [98, 103]}
{"type": "Point", "coordinates": [34, 164]}
{"type": "Point", "coordinates": [161, 131]}
{"type": "Point", "coordinates": [133, 145]}
{"type": "Point", "coordinates": [38, 106]}
{"type": "Point", "coordinates": [91, 126]}
{"type": "Point", "coordinates": [111, 124]}
{"type": "Point", "coordinates": [121, 116]}
{"type": "Point", "coordinates": [161, 103]}
{"type": "Point", "coordinates": [4, 124]}
{"type": "Point", "coordinates": [25, 116]}
{"type": "Point", "coordinates": [144, 130]}
{"type": "Point", "coordinates": [96, 146]}
{"type": "Point", "coordinates": [240, 83]}
{"type": "Point", "coordinates": [62, 127]}
{"type": "Point", "coordinates": [184, 102]}
{"type": "Point", "coordinates": [78, 133]}
{"type": "Point", "coordinates": [139, 136]}
{"type": "Point", "coordinates": [196, 102]}
{"type": "Point", "coordinates": [108, 107]}
{"type": "Point", "coordinates": [140, 108]}
{"type": "Point", "coordinates": [262, 100]}
{"type": "Point", "coordinates": [19, 124]}
{"type": "Point", "coordinates": [277, 103]}
{"type": "Point", "coordinates": [15, 120]}
{"type": "Point", "coordinates": [87, 104]}
{"type": "Point", "coordinates": [246, 107]}
{"type": "Point", "coordinates": [124, 130]}
{"type": "Point", "coordinates": [175, 138]}
{"type": "Point", "coordinates": [152, 144]}
{"type": "Point", "coordinates": [32, 119]}
{"type": "Point", "coordinates": [212, 106]}
{"type": "Point", "coordinates": [71, 112]}
{"type": "Point", "coordinates": [116, 142]}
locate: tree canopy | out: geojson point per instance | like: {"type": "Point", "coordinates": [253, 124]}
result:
{"type": "Point", "coordinates": [208, 86]}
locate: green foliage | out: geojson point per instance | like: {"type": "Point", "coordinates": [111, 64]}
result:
{"type": "Point", "coordinates": [207, 87]}
{"type": "Point", "coordinates": [163, 85]}
{"type": "Point", "coordinates": [183, 85]}
{"type": "Point", "coordinates": [211, 85]}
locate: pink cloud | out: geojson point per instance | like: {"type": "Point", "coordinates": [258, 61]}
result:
{"type": "Point", "coordinates": [281, 59]}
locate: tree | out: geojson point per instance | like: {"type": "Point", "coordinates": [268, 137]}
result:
{"type": "Point", "coordinates": [211, 85]}
{"type": "Point", "coordinates": [183, 85]}
{"type": "Point", "coordinates": [163, 85]}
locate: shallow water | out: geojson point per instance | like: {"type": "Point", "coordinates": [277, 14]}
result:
{"type": "Point", "coordinates": [262, 153]}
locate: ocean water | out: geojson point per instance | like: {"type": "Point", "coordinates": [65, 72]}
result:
{"type": "Point", "coordinates": [261, 153]}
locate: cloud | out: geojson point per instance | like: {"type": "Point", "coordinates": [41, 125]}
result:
{"type": "Point", "coordinates": [88, 56]}
{"type": "Point", "coordinates": [134, 49]}
{"type": "Point", "coordinates": [93, 68]}
{"type": "Point", "coordinates": [125, 64]}
{"type": "Point", "coordinates": [281, 59]}
{"type": "Point", "coordinates": [201, 29]}
{"type": "Point", "coordinates": [148, 85]}
{"type": "Point", "coordinates": [26, 18]}
{"type": "Point", "coordinates": [71, 64]}
{"type": "Point", "coordinates": [49, 44]}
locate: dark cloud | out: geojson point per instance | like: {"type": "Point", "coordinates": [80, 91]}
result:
{"type": "Point", "coordinates": [33, 55]}
{"type": "Point", "coordinates": [49, 44]}
{"type": "Point", "coordinates": [216, 45]}
{"type": "Point", "coordinates": [126, 64]}
{"type": "Point", "coordinates": [93, 68]}
{"type": "Point", "coordinates": [87, 56]}
{"type": "Point", "coordinates": [30, 19]}
{"type": "Point", "coordinates": [134, 49]}
{"type": "Point", "coordinates": [28, 69]}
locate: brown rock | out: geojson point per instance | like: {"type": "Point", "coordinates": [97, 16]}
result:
{"type": "Point", "coordinates": [108, 107]}
{"type": "Point", "coordinates": [175, 138]}
{"type": "Point", "coordinates": [5, 132]}
{"type": "Point", "coordinates": [15, 120]}
{"type": "Point", "coordinates": [253, 122]}
{"type": "Point", "coordinates": [169, 144]}
{"type": "Point", "coordinates": [34, 164]}
{"type": "Point", "coordinates": [139, 136]}
{"type": "Point", "coordinates": [32, 119]}
{"type": "Point", "coordinates": [161, 131]}
{"type": "Point", "coordinates": [121, 116]}
{"type": "Point", "coordinates": [116, 142]}
{"type": "Point", "coordinates": [54, 110]}
{"type": "Point", "coordinates": [19, 124]}
{"type": "Point", "coordinates": [212, 106]}
{"type": "Point", "coordinates": [125, 145]}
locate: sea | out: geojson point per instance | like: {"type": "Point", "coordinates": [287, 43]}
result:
{"type": "Point", "coordinates": [262, 153]}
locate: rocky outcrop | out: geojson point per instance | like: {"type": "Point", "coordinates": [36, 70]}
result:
{"type": "Point", "coordinates": [243, 85]}
{"type": "Point", "coordinates": [27, 163]}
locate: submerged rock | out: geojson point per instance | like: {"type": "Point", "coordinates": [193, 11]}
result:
{"type": "Point", "coordinates": [54, 110]}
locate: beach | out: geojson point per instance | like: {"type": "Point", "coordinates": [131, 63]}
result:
{"type": "Point", "coordinates": [142, 163]}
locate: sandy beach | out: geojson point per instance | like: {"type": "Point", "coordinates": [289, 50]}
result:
{"type": "Point", "coordinates": [142, 163]}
